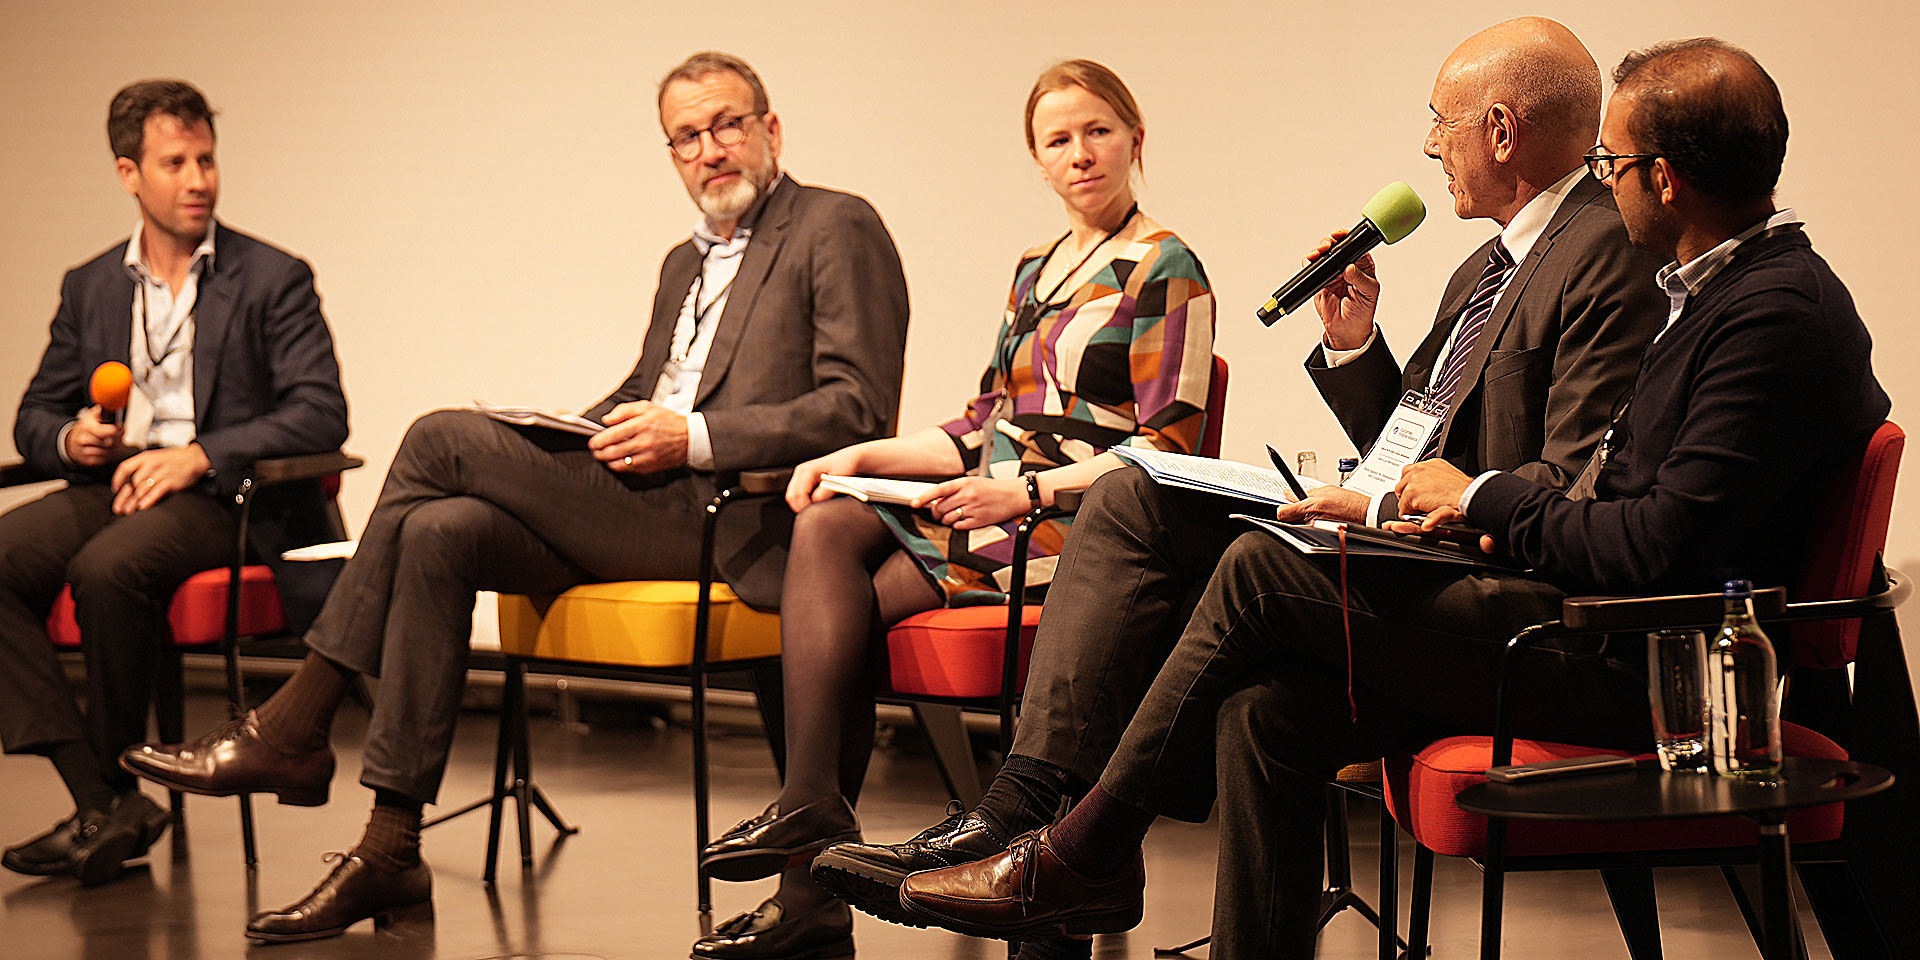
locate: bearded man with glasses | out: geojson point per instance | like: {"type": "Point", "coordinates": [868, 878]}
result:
{"type": "Point", "coordinates": [777, 335]}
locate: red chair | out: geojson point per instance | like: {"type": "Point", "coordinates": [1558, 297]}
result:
{"type": "Point", "coordinates": [1843, 615]}
{"type": "Point", "coordinates": [975, 658]}
{"type": "Point", "coordinates": [204, 616]}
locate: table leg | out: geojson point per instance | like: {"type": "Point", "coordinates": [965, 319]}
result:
{"type": "Point", "coordinates": [1776, 893]}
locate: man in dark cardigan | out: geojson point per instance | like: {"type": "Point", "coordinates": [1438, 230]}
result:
{"type": "Point", "coordinates": [1757, 384]}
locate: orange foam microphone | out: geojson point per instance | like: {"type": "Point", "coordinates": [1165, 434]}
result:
{"type": "Point", "coordinates": [112, 383]}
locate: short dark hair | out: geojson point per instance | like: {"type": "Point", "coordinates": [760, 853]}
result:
{"type": "Point", "coordinates": [710, 62]}
{"type": "Point", "coordinates": [127, 116]}
{"type": "Point", "coordinates": [1712, 111]}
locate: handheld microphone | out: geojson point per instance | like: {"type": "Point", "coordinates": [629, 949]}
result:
{"type": "Point", "coordinates": [111, 384]}
{"type": "Point", "coordinates": [1387, 218]}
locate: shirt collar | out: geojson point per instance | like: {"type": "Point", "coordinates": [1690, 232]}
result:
{"type": "Point", "coordinates": [137, 267]}
{"type": "Point", "coordinates": [704, 239]}
{"type": "Point", "coordinates": [1681, 281]}
{"type": "Point", "coordinates": [1524, 230]}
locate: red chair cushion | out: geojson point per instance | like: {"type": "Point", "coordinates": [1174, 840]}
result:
{"type": "Point", "coordinates": [1420, 791]}
{"type": "Point", "coordinates": [956, 652]}
{"type": "Point", "coordinates": [198, 613]}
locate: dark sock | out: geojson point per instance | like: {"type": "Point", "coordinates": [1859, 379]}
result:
{"type": "Point", "coordinates": [393, 831]}
{"type": "Point", "coordinates": [1101, 835]}
{"type": "Point", "coordinates": [80, 770]}
{"type": "Point", "coordinates": [798, 893]}
{"type": "Point", "coordinates": [1025, 795]}
{"type": "Point", "coordinates": [299, 716]}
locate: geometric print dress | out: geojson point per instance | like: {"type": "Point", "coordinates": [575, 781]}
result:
{"type": "Point", "coordinates": [1123, 358]}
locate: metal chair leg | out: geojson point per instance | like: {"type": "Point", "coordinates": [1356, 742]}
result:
{"type": "Point", "coordinates": [1420, 909]}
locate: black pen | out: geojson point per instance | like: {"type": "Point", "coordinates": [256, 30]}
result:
{"type": "Point", "coordinates": [1292, 481]}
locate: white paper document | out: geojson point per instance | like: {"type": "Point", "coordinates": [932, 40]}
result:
{"type": "Point", "coordinates": [536, 417]}
{"type": "Point", "coordinates": [1230, 478]}
{"type": "Point", "coordinates": [337, 550]}
{"type": "Point", "coordinates": [876, 489]}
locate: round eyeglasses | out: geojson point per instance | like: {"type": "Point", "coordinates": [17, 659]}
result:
{"type": "Point", "coordinates": [726, 131]}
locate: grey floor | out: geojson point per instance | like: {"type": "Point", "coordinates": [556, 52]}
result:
{"type": "Point", "coordinates": [624, 887]}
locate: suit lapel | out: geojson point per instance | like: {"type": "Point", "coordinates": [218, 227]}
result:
{"type": "Point", "coordinates": [676, 278]}
{"type": "Point", "coordinates": [1582, 194]}
{"type": "Point", "coordinates": [117, 321]}
{"type": "Point", "coordinates": [769, 233]}
{"type": "Point", "coordinates": [212, 321]}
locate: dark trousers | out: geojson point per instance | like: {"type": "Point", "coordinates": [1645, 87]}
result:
{"type": "Point", "coordinates": [472, 504]}
{"type": "Point", "coordinates": [1135, 565]}
{"type": "Point", "coordinates": [1258, 686]}
{"type": "Point", "coordinates": [124, 571]}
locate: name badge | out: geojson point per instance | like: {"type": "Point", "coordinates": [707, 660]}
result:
{"type": "Point", "coordinates": [1407, 433]}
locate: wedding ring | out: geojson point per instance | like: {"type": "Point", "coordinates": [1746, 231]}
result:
{"type": "Point", "coordinates": [959, 514]}
{"type": "Point", "coordinates": [149, 482]}
{"type": "Point", "coordinates": [627, 460]}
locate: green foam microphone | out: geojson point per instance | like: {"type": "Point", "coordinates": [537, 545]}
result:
{"type": "Point", "coordinates": [1387, 218]}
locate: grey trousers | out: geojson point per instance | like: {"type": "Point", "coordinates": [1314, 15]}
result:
{"type": "Point", "coordinates": [471, 504]}
{"type": "Point", "coordinates": [1135, 565]}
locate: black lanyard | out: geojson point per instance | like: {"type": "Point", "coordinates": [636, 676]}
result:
{"type": "Point", "coordinates": [1026, 319]}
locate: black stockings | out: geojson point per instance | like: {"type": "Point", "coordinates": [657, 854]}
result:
{"type": "Point", "coordinates": [847, 581]}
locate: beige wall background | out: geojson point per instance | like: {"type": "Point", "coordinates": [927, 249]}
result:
{"type": "Point", "coordinates": [483, 191]}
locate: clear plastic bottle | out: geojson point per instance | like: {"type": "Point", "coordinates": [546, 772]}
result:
{"type": "Point", "coordinates": [1743, 732]}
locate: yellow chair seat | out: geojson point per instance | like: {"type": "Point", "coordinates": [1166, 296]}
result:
{"type": "Point", "coordinates": [637, 623]}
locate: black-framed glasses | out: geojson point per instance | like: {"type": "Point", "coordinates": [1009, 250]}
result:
{"type": "Point", "coordinates": [726, 131]}
{"type": "Point", "coordinates": [1601, 165]}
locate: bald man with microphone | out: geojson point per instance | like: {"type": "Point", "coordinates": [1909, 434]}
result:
{"type": "Point", "coordinates": [176, 359]}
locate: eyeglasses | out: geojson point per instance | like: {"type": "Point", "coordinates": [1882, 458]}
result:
{"type": "Point", "coordinates": [727, 132]}
{"type": "Point", "coordinates": [1601, 165]}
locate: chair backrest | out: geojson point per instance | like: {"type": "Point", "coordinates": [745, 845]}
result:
{"type": "Point", "coordinates": [1849, 530]}
{"type": "Point", "coordinates": [1216, 409]}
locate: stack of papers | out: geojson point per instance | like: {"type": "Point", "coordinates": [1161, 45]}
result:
{"type": "Point", "coordinates": [536, 417]}
{"type": "Point", "coordinates": [1242, 481]}
{"type": "Point", "coordinates": [875, 489]}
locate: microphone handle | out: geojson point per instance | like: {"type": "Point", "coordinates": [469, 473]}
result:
{"type": "Point", "coordinates": [110, 418]}
{"type": "Point", "coordinates": [1322, 271]}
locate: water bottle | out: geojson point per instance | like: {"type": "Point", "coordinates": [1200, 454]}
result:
{"type": "Point", "coordinates": [1743, 693]}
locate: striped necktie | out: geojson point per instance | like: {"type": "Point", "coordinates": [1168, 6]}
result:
{"type": "Point", "coordinates": [1472, 320]}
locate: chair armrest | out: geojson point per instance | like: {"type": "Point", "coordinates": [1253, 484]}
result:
{"type": "Point", "coordinates": [305, 467]}
{"type": "Point", "coordinates": [1610, 614]}
{"type": "Point", "coordinates": [18, 473]}
{"type": "Point", "coordinates": [764, 482]}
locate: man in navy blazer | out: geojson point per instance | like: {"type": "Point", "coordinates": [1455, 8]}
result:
{"type": "Point", "coordinates": [232, 362]}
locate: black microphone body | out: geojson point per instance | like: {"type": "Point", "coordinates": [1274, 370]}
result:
{"type": "Point", "coordinates": [1322, 271]}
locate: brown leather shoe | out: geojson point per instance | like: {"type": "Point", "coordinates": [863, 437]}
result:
{"type": "Point", "coordinates": [357, 889]}
{"type": "Point", "coordinates": [1026, 893]}
{"type": "Point", "coordinates": [233, 760]}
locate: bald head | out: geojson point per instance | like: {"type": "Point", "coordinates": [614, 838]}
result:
{"type": "Point", "coordinates": [1711, 110]}
{"type": "Point", "coordinates": [1542, 71]}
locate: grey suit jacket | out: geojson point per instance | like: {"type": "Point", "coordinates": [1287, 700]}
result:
{"type": "Point", "coordinates": [1562, 346]}
{"type": "Point", "coordinates": [807, 358]}
{"type": "Point", "coordinates": [265, 384]}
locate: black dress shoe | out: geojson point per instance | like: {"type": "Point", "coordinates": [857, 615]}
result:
{"type": "Point", "coordinates": [104, 840]}
{"type": "Point", "coordinates": [768, 933]}
{"type": "Point", "coordinates": [767, 844]}
{"type": "Point", "coordinates": [46, 854]}
{"type": "Point", "coordinates": [233, 760]}
{"type": "Point", "coordinates": [868, 875]}
{"type": "Point", "coordinates": [358, 888]}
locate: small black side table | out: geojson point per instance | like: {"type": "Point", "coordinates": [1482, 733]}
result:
{"type": "Point", "coordinates": [1654, 794]}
